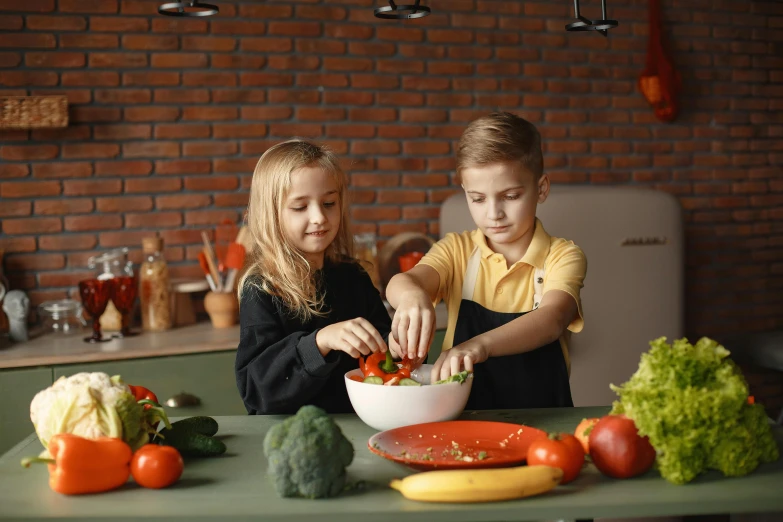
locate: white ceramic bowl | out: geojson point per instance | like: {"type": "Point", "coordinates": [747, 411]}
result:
{"type": "Point", "coordinates": [388, 407]}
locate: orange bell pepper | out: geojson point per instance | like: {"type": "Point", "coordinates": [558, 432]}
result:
{"type": "Point", "coordinates": [383, 366]}
{"type": "Point", "coordinates": [80, 465]}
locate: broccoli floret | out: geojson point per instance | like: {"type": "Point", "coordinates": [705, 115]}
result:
{"type": "Point", "coordinates": [307, 455]}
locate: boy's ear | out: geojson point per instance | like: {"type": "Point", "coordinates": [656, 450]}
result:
{"type": "Point", "coordinates": [543, 188]}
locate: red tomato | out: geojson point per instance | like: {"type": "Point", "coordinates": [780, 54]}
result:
{"type": "Point", "coordinates": [156, 466]}
{"type": "Point", "coordinates": [582, 433]}
{"type": "Point", "coordinates": [563, 451]}
{"type": "Point", "coordinates": [617, 449]}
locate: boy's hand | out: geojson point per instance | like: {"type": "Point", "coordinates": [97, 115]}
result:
{"type": "Point", "coordinates": [356, 337]}
{"type": "Point", "coordinates": [460, 357]}
{"type": "Point", "coordinates": [397, 353]}
{"type": "Point", "coordinates": [413, 326]}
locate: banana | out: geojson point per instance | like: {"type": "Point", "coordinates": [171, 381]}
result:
{"type": "Point", "coordinates": [478, 485]}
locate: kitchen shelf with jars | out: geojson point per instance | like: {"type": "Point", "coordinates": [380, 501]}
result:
{"type": "Point", "coordinates": [142, 326]}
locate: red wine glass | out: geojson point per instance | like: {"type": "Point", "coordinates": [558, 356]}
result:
{"type": "Point", "coordinates": [123, 295]}
{"type": "Point", "coordinates": [95, 296]}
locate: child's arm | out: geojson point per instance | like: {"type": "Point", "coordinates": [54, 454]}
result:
{"type": "Point", "coordinates": [278, 372]}
{"type": "Point", "coordinates": [560, 309]}
{"type": "Point", "coordinates": [373, 308]}
{"type": "Point", "coordinates": [533, 330]}
{"type": "Point", "coordinates": [411, 294]}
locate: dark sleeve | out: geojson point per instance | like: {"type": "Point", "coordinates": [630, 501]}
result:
{"type": "Point", "coordinates": [276, 372]}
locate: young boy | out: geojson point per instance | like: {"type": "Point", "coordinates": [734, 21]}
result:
{"type": "Point", "coordinates": [512, 290]}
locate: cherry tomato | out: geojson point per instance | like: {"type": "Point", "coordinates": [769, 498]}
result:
{"type": "Point", "coordinates": [617, 449]}
{"type": "Point", "coordinates": [562, 451]}
{"type": "Point", "coordinates": [582, 433]}
{"type": "Point", "coordinates": [154, 466]}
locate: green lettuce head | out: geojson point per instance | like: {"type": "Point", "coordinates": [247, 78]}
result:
{"type": "Point", "coordinates": [92, 405]}
{"type": "Point", "coordinates": [691, 400]}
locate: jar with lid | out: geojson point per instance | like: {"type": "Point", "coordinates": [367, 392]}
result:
{"type": "Point", "coordinates": [154, 282]}
{"type": "Point", "coordinates": [109, 265]}
{"type": "Point", "coordinates": [62, 316]}
{"type": "Point", "coordinates": [366, 252]}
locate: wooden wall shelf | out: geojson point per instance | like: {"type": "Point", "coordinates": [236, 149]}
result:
{"type": "Point", "coordinates": [33, 112]}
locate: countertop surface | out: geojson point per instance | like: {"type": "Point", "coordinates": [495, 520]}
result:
{"type": "Point", "coordinates": [71, 349]}
{"type": "Point", "coordinates": [235, 486]}
{"type": "Point", "coordinates": [51, 349]}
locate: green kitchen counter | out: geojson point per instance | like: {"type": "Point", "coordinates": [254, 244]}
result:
{"type": "Point", "coordinates": [235, 486]}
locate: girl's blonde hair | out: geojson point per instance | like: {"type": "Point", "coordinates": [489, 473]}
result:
{"type": "Point", "coordinates": [275, 265]}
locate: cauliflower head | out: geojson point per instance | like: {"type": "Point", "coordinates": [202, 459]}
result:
{"type": "Point", "coordinates": [90, 405]}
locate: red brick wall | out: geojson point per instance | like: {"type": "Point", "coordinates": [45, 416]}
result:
{"type": "Point", "coordinates": [168, 118]}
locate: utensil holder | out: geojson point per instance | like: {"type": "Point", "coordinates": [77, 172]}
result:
{"type": "Point", "coordinates": [223, 308]}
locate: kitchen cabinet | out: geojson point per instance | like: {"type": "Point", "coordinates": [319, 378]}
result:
{"type": "Point", "coordinates": [198, 360]}
{"type": "Point", "coordinates": [17, 388]}
{"type": "Point", "coordinates": [208, 376]}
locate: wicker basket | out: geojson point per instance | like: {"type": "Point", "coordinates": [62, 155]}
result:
{"type": "Point", "coordinates": [33, 112]}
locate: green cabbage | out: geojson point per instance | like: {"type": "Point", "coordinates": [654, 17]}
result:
{"type": "Point", "coordinates": [691, 401]}
{"type": "Point", "coordinates": [92, 405]}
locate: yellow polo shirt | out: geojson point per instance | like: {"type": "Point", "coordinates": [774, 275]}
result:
{"type": "Point", "coordinates": [511, 289]}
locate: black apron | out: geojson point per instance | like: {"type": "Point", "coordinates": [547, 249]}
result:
{"type": "Point", "coordinates": [534, 379]}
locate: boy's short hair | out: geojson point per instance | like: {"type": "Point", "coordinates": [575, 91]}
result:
{"type": "Point", "coordinates": [501, 137]}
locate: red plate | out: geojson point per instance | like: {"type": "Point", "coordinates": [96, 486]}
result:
{"type": "Point", "coordinates": [456, 444]}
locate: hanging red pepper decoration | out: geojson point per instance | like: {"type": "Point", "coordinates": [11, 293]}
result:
{"type": "Point", "coordinates": [659, 82]}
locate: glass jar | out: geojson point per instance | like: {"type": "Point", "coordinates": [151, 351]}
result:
{"type": "Point", "coordinates": [108, 265]}
{"type": "Point", "coordinates": [366, 251]}
{"type": "Point", "coordinates": [62, 317]}
{"type": "Point", "coordinates": [154, 283]}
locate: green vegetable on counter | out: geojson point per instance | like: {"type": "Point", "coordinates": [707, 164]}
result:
{"type": "Point", "coordinates": [192, 437]}
{"type": "Point", "coordinates": [307, 455]}
{"type": "Point", "coordinates": [198, 424]}
{"type": "Point", "coordinates": [691, 401]}
{"type": "Point", "coordinates": [93, 405]}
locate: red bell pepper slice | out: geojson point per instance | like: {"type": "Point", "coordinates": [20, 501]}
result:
{"type": "Point", "coordinates": [383, 366]}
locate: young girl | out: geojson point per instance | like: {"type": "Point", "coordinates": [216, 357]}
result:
{"type": "Point", "coordinates": [307, 309]}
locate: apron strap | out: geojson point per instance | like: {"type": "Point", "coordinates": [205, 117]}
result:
{"type": "Point", "coordinates": [471, 274]}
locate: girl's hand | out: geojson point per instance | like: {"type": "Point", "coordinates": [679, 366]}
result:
{"type": "Point", "coordinates": [413, 326]}
{"type": "Point", "coordinates": [460, 357]}
{"type": "Point", "coordinates": [356, 337]}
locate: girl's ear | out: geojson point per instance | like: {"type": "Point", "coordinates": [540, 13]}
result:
{"type": "Point", "coordinates": [543, 188]}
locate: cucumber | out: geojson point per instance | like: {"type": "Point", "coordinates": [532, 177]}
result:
{"type": "Point", "coordinates": [409, 382]}
{"type": "Point", "coordinates": [373, 379]}
{"type": "Point", "coordinates": [199, 424]}
{"type": "Point", "coordinates": [192, 444]}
